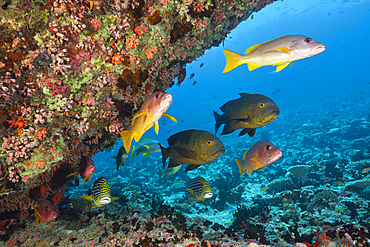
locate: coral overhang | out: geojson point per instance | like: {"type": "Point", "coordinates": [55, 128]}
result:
{"type": "Point", "coordinates": [73, 74]}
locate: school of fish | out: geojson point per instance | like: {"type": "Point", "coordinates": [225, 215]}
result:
{"type": "Point", "coordinates": [197, 147]}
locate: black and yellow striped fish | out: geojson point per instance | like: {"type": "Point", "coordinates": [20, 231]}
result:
{"type": "Point", "coordinates": [100, 194]}
{"type": "Point", "coordinates": [198, 189]}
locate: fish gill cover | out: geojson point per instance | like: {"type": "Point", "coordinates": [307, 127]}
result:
{"type": "Point", "coordinates": [316, 194]}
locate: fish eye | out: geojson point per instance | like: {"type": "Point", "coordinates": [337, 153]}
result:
{"type": "Point", "coordinates": [46, 209]}
{"type": "Point", "coordinates": [209, 142]}
{"type": "Point", "coordinates": [268, 147]}
{"type": "Point", "coordinates": [157, 96]}
{"type": "Point", "coordinates": [261, 105]}
{"type": "Point", "coordinates": [308, 40]}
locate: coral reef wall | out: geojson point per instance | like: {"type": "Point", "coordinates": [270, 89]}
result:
{"type": "Point", "coordinates": [74, 72]}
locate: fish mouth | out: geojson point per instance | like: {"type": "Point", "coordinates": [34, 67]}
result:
{"type": "Point", "coordinates": [276, 155]}
{"type": "Point", "coordinates": [166, 101]}
{"type": "Point", "coordinates": [207, 195]}
{"type": "Point", "coordinates": [318, 49]}
{"type": "Point", "coordinates": [220, 151]}
{"type": "Point", "coordinates": [270, 117]}
{"type": "Point", "coordinates": [105, 200]}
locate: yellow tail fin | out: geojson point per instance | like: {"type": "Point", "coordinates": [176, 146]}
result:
{"type": "Point", "coordinates": [232, 60]}
{"type": "Point", "coordinates": [127, 140]}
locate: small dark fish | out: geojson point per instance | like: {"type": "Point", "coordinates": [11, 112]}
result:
{"type": "Point", "coordinates": [5, 6]}
{"type": "Point", "coordinates": [164, 121]}
{"type": "Point", "coordinates": [276, 91]}
{"type": "Point", "coordinates": [193, 147]}
{"type": "Point", "coordinates": [168, 131]}
{"type": "Point", "coordinates": [195, 82]}
{"type": "Point", "coordinates": [240, 88]}
{"type": "Point", "coordinates": [192, 75]}
{"type": "Point", "coordinates": [182, 121]}
{"type": "Point", "coordinates": [121, 157]}
{"type": "Point", "coordinates": [249, 112]}
{"type": "Point", "coordinates": [345, 100]}
{"type": "Point", "coordinates": [252, 17]}
{"type": "Point", "coordinates": [181, 77]}
{"type": "Point", "coordinates": [201, 65]}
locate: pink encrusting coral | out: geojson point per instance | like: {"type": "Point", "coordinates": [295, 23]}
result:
{"type": "Point", "coordinates": [73, 73]}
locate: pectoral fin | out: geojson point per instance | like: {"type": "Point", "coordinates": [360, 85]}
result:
{"type": "Point", "coordinates": [255, 159]}
{"type": "Point", "coordinates": [191, 191]}
{"type": "Point", "coordinates": [165, 115]}
{"type": "Point", "coordinates": [187, 153]}
{"type": "Point", "coordinates": [73, 174]}
{"type": "Point", "coordinates": [284, 50]}
{"type": "Point", "coordinates": [138, 115]}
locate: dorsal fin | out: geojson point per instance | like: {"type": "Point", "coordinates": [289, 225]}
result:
{"type": "Point", "coordinates": [252, 48]}
{"type": "Point", "coordinates": [226, 105]}
{"type": "Point", "coordinates": [245, 154]}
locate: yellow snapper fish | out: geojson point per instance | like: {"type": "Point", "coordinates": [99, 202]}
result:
{"type": "Point", "coordinates": [279, 52]}
{"type": "Point", "coordinates": [100, 194]}
{"type": "Point", "coordinates": [260, 155]}
{"type": "Point", "coordinates": [150, 112]}
{"type": "Point", "coordinates": [146, 147]}
{"type": "Point", "coordinates": [198, 189]}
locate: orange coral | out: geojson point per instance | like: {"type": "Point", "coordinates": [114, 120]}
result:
{"type": "Point", "coordinates": [17, 123]}
{"type": "Point", "coordinates": [117, 59]}
{"type": "Point", "coordinates": [150, 52]}
{"type": "Point", "coordinates": [132, 42]}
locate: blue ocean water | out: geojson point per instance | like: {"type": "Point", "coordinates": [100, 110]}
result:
{"type": "Point", "coordinates": [318, 95]}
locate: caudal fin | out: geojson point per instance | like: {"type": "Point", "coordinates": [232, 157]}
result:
{"type": "Point", "coordinates": [127, 140]}
{"type": "Point", "coordinates": [218, 121]}
{"type": "Point", "coordinates": [232, 60]}
{"type": "Point", "coordinates": [164, 155]}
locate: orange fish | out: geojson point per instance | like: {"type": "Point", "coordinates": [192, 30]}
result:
{"type": "Point", "coordinates": [2, 225]}
{"type": "Point", "coordinates": [42, 190]}
{"type": "Point", "coordinates": [260, 155]}
{"type": "Point", "coordinates": [86, 170]}
{"type": "Point", "coordinates": [45, 212]}
{"type": "Point", "coordinates": [59, 196]}
{"type": "Point", "coordinates": [181, 77]}
{"type": "Point", "coordinates": [150, 112]}
{"type": "Point", "coordinates": [264, 188]}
